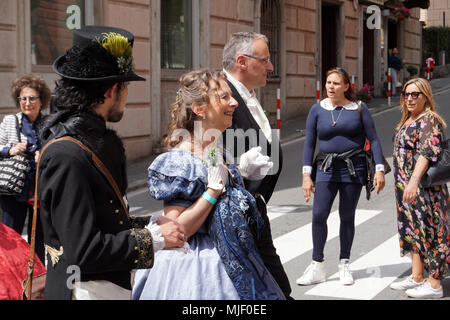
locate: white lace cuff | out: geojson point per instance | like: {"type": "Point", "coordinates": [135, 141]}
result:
{"type": "Point", "coordinates": [307, 169]}
{"type": "Point", "coordinates": [379, 167]}
{"type": "Point", "coordinates": [155, 231]}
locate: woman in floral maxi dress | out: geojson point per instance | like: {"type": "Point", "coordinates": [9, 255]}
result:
{"type": "Point", "coordinates": [422, 213]}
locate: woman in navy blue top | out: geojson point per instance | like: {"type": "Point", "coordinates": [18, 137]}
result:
{"type": "Point", "coordinates": [31, 95]}
{"type": "Point", "coordinates": [341, 167]}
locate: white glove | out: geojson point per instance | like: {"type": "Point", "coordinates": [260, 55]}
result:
{"type": "Point", "coordinates": [253, 165]}
{"type": "Point", "coordinates": [217, 176]}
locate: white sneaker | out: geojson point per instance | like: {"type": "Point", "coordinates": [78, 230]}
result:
{"type": "Point", "coordinates": [314, 273]}
{"type": "Point", "coordinates": [425, 291]}
{"type": "Point", "coordinates": [345, 276]}
{"type": "Point", "coordinates": [406, 284]}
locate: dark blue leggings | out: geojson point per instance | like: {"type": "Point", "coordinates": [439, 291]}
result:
{"type": "Point", "coordinates": [325, 193]}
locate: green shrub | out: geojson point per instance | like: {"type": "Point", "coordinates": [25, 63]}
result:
{"type": "Point", "coordinates": [412, 70]}
{"type": "Point", "coordinates": [436, 39]}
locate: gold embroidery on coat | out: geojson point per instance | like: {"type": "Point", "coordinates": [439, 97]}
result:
{"type": "Point", "coordinates": [54, 254]}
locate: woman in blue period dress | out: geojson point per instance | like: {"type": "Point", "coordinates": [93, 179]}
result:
{"type": "Point", "coordinates": [209, 200]}
{"type": "Point", "coordinates": [422, 213]}
{"type": "Point", "coordinates": [341, 167]}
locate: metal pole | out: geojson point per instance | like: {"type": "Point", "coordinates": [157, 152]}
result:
{"type": "Point", "coordinates": [389, 86]}
{"type": "Point", "coordinates": [278, 112]}
{"type": "Point", "coordinates": [318, 92]}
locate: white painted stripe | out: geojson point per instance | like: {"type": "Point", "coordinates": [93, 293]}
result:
{"type": "Point", "coordinates": [274, 215]}
{"type": "Point", "coordinates": [132, 209]}
{"type": "Point", "coordinates": [372, 273]}
{"type": "Point", "coordinates": [299, 241]}
{"type": "Point", "coordinates": [274, 212]}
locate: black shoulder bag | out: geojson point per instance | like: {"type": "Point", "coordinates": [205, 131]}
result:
{"type": "Point", "coordinates": [370, 162]}
{"type": "Point", "coordinates": [439, 172]}
{"type": "Point", "coordinates": [14, 170]}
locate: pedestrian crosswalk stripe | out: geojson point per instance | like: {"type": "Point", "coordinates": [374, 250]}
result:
{"type": "Point", "coordinates": [299, 241]}
{"type": "Point", "coordinates": [274, 212]}
{"type": "Point", "coordinates": [133, 209]}
{"type": "Point", "coordinates": [372, 273]}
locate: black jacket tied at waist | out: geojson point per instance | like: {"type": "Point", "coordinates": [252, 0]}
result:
{"type": "Point", "coordinates": [327, 159]}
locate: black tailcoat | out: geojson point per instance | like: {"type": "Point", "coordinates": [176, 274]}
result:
{"type": "Point", "coordinates": [243, 119]}
{"type": "Point", "coordinates": [80, 213]}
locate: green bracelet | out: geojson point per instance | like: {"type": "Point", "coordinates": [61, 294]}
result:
{"type": "Point", "coordinates": [209, 198]}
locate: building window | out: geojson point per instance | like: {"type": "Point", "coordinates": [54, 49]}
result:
{"type": "Point", "coordinates": [176, 34]}
{"type": "Point", "coordinates": [52, 23]}
{"type": "Point", "coordinates": [270, 27]}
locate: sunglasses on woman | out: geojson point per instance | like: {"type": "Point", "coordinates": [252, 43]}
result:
{"type": "Point", "coordinates": [414, 94]}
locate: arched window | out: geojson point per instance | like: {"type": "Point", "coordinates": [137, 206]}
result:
{"type": "Point", "coordinates": [270, 27]}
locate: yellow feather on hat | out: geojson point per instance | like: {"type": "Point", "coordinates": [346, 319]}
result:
{"type": "Point", "coordinates": [120, 48]}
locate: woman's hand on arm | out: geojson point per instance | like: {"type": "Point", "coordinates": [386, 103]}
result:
{"type": "Point", "coordinates": [18, 148]}
{"type": "Point", "coordinates": [410, 192]}
{"type": "Point", "coordinates": [172, 232]}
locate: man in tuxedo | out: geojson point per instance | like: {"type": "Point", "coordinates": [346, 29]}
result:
{"type": "Point", "coordinates": [246, 62]}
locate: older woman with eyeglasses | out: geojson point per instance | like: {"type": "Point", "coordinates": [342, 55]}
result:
{"type": "Point", "coordinates": [341, 124]}
{"type": "Point", "coordinates": [31, 94]}
{"type": "Point", "coordinates": [422, 213]}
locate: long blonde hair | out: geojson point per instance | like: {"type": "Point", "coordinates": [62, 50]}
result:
{"type": "Point", "coordinates": [425, 89]}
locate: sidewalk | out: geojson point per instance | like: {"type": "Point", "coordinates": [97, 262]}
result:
{"type": "Point", "coordinates": [290, 130]}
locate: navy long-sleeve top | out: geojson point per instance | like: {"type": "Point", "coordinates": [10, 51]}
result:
{"type": "Point", "coordinates": [395, 62]}
{"type": "Point", "coordinates": [348, 133]}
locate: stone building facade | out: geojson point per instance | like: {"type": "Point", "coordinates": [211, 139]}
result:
{"type": "Point", "coordinates": [437, 15]}
{"type": "Point", "coordinates": [172, 36]}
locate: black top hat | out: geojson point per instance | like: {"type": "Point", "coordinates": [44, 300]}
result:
{"type": "Point", "coordinates": [117, 45]}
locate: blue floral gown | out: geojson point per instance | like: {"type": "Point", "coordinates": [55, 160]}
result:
{"type": "Point", "coordinates": [223, 262]}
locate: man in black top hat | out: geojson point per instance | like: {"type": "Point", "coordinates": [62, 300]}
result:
{"type": "Point", "coordinates": [91, 242]}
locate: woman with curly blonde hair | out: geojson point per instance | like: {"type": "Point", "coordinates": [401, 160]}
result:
{"type": "Point", "coordinates": [208, 198]}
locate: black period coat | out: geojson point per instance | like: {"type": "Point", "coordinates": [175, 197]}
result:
{"type": "Point", "coordinates": [87, 233]}
{"type": "Point", "coordinates": [243, 121]}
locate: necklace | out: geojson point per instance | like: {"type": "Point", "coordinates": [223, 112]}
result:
{"type": "Point", "coordinates": [333, 124]}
